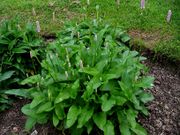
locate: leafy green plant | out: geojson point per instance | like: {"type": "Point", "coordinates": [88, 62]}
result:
{"type": "Point", "coordinates": [18, 46]}
{"type": "Point", "coordinates": [90, 78]}
{"type": "Point", "coordinates": [6, 80]}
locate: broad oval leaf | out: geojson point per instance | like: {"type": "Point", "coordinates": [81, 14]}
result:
{"type": "Point", "coordinates": [6, 75]}
{"type": "Point", "coordinates": [86, 114]}
{"type": "Point", "coordinates": [72, 115]}
{"type": "Point", "coordinates": [100, 119]}
{"type": "Point", "coordinates": [55, 120]}
{"type": "Point", "coordinates": [30, 123]}
{"type": "Point", "coordinates": [109, 128]}
{"type": "Point", "coordinates": [45, 107]}
{"type": "Point", "coordinates": [31, 80]}
{"type": "Point", "coordinates": [107, 104]}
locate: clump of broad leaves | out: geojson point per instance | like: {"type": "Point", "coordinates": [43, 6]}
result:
{"type": "Point", "coordinates": [16, 63]}
{"type": "Point", "coordinates": [90, 79]}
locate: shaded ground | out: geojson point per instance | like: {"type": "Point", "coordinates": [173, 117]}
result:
{"type": "Point", "coordinates": [12, 122]}
{"type": "Point", "coordinates": [164, 118]}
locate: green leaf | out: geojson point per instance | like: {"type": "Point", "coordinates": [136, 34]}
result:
{"type": "Point", "coordinates": [127, 92]}
{"type": "Point", "coordinates": [119, 100]}
{"type": "Point", "coordinates": [63, 95]}
{"type": "Point", "coordinates": [18, 92]}
{"type": "Point", "coordinates": [100, 119]}
{"type": "Point", "coordinates": [146, 82]}
{"type": "Point", "coordinates": [30, 123]}
{"type": "Point", "coordinates": [26, 110]}
{"type": "Point", "coordinates": [74, 89]}
{"type": "Point", "coordinates": [109, 128]}
{"type": "Point", "coordinates": [19, 50]}
{"type": "Point", "coordinates": [91, 87]}
{"type": "Point", "coordinates": [59, 110]}
{"type": "Point", "coordinates": [6, 75]}
{"type": "Point", "coordinates": [36, 101]}
{"type": "Point", "coordinates": [124, 125]}
{"type": "Point", "coordinates": [12, 44]}
{"type": "Point", "coordinates": [55, 120]}
{"type": "Point", "coordinates": [72, 115]}
{"type": "Point", "coordinates": [45, 107]}
{"type": "Point", "coordinates": [89, 127]}
{"type": "Point", "coordinates": [90, 71]}
{"type": "Point", "coordinates": [139, 130]}
{"type": "Point", "coordinates": [131, 117]}
{"type": "Point", "coordinates": [31, 80]}
{"type": "Point", "coordinates": [125, 38]}
{"type": "Point", "coordinates": [146, 97]}
{"type": "Point", "coordinates": [86, 114]}
{"type": "Point", "coordinates": [107, 104]}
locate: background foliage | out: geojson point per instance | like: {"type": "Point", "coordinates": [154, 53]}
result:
{"type": "Point", "coordinates": [18, 46]}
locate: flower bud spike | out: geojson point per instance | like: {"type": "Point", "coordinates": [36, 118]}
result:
{"type": "Point", "coordinates": [81, 64]}
{"type": "Point", "coordinates": [33, 12]}
{"type": "Point", "coordinates": [31, 55]}
{"type": "Point", "coordinates": [78, 35]}
{"type": "Point", "coordinates": [168, 19]}
{"type": "Point", "coordinates": [88, 2]}
{"type": "Point", "coordinates": [54, 16]}
{"type": "Point", "coordinates": [142, 4]}
{"type": "Point", "coordinates": [118, 2]}
{"type": "Point", "coordinates": [38, 27]}
{"type": "Point", "coordinates": [95, 37]}
{"type": "Point", "coordinates": [19, 27]}
{"type": "Point", "coordinates": [69, 64]}
{"type": "Point", "coordinates": [66, 74]}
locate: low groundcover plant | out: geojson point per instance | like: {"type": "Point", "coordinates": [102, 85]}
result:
{"type": "Point", "coordinates": [90, 79]}
{"type": "Point", "coordinates": [16, 63]}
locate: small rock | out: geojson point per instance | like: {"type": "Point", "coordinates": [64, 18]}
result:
{"type": "Point", "coordinates": [166, 107]}
{"type": "Point", "coordinates": [34, 132]}
{"type": "Point", "coordinates": [158, 123]}
{"type": "Point", "coordinates": [15, 129]}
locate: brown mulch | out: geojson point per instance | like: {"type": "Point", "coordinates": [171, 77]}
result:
{"type": "Point", "coordinates": [164, 118]}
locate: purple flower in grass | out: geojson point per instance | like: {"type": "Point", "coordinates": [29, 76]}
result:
{"type": "Point", "coordinates": [168, 18]}
{"type": "Point", "coordinates": [142, 4]}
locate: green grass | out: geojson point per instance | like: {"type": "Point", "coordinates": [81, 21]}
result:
{"type": "Point", "coordinates": [128, 15]}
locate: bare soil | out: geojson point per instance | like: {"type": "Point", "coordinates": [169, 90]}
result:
{"type": "Point", "coordinates": [164, 118]}
{"type": "Point", "coordinates": [150, 39]}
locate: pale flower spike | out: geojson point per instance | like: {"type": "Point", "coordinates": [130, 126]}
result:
{"type": "Point", "coordinates": [142, 4]}
{"type": "Point", "coordinates": [54, 16]}
{"type": "Point", "coordinates": [66, 74]}
{"type": "Point", "coordinates": [95, 37]}
{"type": "Point", "coordinates": [81, 64]}
{"type": "Point", "coordinates": [31, 54]}
{"type": "Point", "coordinates": [19, 27]}
{"type": "Point", "coordinates": [33, 12]}
{"type": "Point", "coordinates": [169, 16]}
{"type": "Point", "coordinates": [38, 26]}
{"type": "Point", "coordinates": [118, 2]}
{"type": "Point", "coordinates": [88, 2]}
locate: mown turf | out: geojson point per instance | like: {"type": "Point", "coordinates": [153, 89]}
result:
{"type": "Point", "coordinates": [128, 15]}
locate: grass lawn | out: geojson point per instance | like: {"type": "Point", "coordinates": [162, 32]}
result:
{"type": "Point", "coordinates": [148, 27]}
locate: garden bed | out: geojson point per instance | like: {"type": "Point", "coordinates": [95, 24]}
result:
{"type": "Point", "coordinates": [164, 109]}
